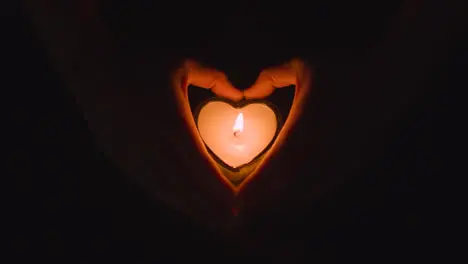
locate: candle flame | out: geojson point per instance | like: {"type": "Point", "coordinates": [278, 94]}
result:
{"type": "Point", "coordinates": [239, 123]}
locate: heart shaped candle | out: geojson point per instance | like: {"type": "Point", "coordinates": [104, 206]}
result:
{"type": "Point", "coordinates": [237, 134]}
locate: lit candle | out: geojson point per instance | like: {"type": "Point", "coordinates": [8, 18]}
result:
{"type": "Point", "coordinates": [236, 135]}
{"type": "Point", "coordinates": [238, 128]}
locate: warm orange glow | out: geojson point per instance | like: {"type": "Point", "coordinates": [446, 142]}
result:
{"type": "Point", "coordinates": [239, 123]}
{"type": "Point", "coordinates": [254, 127]}
{"type": "Point", "coordinates": [215, 121]}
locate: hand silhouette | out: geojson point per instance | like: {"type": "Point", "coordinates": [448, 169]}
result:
{"type": "Point", "coordinates": [215, 80]}
{"type": "Point", "coordinates": [268, 80]}
{"type": "Point", "coordinates": [275, 77]}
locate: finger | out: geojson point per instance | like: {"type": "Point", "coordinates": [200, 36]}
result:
{"type": "Point", "coordinates": [270, 79]}
{"type": "Point", "coordinates": [212, 79]}
{"type": "Point", "coordinates": [225, 89]}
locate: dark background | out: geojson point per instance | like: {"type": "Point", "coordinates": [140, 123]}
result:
{"type": "Point", "coordinates": [69, 201]}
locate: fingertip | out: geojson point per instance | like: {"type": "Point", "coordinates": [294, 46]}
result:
{"type": "Point", "coordinates": [236, 95]}
{"type": "Point", "coordinates": [230, 93]}
{"type": "Point", "coordinates": [249, 94]}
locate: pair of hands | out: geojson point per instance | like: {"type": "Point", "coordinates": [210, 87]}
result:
{"type": "Point", "coordinates": [266, 83]}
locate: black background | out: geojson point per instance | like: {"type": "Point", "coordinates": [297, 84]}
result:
{"type": "Point", "coordinates": [68, 201]}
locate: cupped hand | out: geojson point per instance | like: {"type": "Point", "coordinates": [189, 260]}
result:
{"type": "Point", "coordinates": [212, 79]}
{"type": "Point", "coordinates": [276, 77]}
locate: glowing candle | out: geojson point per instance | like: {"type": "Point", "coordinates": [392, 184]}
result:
{"type": "Point", "coordinates": [236, 135]}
